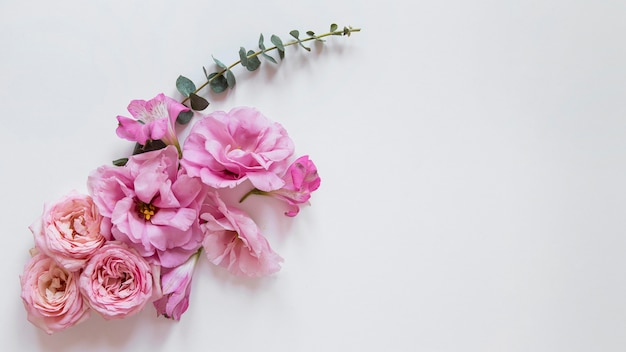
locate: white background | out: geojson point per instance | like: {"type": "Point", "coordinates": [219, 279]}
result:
{"type": "Point", "coordinates": [472, 155]}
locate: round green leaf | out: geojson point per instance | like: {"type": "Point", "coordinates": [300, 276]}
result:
{"type": "Point", "coordinates": [218, 84]}
{"type": "Point", "coordinates": [185, 86]}
{"type": "Point", "coordinates": [184, 117]}
{"type": "Point", "coordinates": [198, 103]}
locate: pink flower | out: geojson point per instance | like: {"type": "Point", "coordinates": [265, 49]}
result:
{"type": "Point", "coordinates": [151, 205]}
{"type": "Point", "coordinates": [301, 179]}
{"type": "Point", "coordinates": [176, 287]}
{"type": "Point", "coordinates": [153, 119]}
{"type": "Point", "coordinates": [51, 295]}
{"type": "Point", "coordinates": [233, 241]}
{"type": "Point", "coordinates": [69, 230]}
{"type": "Point", "coordinates": [117, 282]}
{"type": "Point", "coordinates": [224, 149]}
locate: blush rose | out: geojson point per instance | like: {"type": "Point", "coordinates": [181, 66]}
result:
{"type": "Point", "coordinates": [117, 282]}
{"type": "Point", "coordinates": [51, 295]}
{"type": "Point", "coordinates": [69, 230]}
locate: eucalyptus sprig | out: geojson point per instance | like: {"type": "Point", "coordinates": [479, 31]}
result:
{"type": "Point", "coordinates": [224, 78]}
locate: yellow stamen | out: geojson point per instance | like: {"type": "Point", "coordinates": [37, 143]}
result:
{"type": "Point", "coordinates": [146, 210]}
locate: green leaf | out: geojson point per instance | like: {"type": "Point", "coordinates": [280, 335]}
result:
{"type": "Point", "coordinates": [253, 62]}
{"type": "Point", "coordinates": [184, 117]}
{"type": "Point", "coordinates": [230, 79]}
{"type": "Point", "coordinates": [312, 35]}
{"type": "Point", "coordinates": [219, 63]}
{"type": "Point", "coordinates": [269, 58]}
{"type": "Point", "coordinates": [120, 162]}
{"type": "Point", "coordinates": [346, 31]}
{"type": "Point", "coordinates": [185, 86]}
{"type": "Point", "coordinates": [276, 41]}
{"type": "Point", "coordinates": [218, 83]}
{"type": "Point", "coordinates": [296, 35]}
{"type": "Point", "coordinates": [279, 45]}
{"type": "Point", "coordinates": [261, 42]}
{"type": "Point", "coordinates": [198, 103]}
{"type": "Point", "coordinates": [333, 27]}
{"type": "Point", "coordinates": [243, 57]}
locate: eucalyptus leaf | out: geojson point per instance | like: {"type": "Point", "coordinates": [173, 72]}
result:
{"type": "Point", "coordinates": [198, 103]}
{"type": "Point", "coordinates": [219, 63]}
{"type": "Point", "coordinates": [261, 42]}
{"type": "Point", "coordinates": [184, 117]}
{"type": "Point", "coordinates": [278, 42]}
{"type": "Point", "coordinates": [243, 57]}
{"type": "Point", "coordinates": [218, 82]}
{"type": "Point", "coordinates": [253, 62]}
{"type": "Point", "coordinates": [333, 27]}
{"type": "Point", "coordinates": [230, 79]}
{"type": "Point", "coordinates": [269, 58]}
{"type": "Point", "coordinates": [185, 86]}
{"type": "Point", "coordinates": [120, 162]}
{"type": "Point", "coordinates": [296, 34]}
{"type": "Point", "coordinates": [279, 45]}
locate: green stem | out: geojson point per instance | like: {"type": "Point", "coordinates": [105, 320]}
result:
{"type": "Point", "coordinates": [293, 42]}
{"type": "Point", "coordinates": [252, 191]}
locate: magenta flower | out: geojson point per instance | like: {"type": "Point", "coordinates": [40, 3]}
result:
{"type": "Point", "coordinates": [301, 179]}
{"type": "Point", "coordinates": [151, 205]}
{"type": "Point", "coordinates": [176, 287]}
{"type": "Point", "coordinates": [117, 282]}
{"type": "Point", "coordinates": [226, 148]}
{"type": "Point", "coordinates": [233, 241]}
{"type": "Point", "coordinates": [69, 230]}
{"type": "Point", "coordinates": [153, 120]}
{"type": "Point", "coordinates": [51, 295]}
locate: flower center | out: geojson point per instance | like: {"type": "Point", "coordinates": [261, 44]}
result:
{"type": "Point", "coordinates": [146, 210]}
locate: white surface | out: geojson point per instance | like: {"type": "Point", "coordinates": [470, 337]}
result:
{"type": "Point", "coordinates": [472, 154]}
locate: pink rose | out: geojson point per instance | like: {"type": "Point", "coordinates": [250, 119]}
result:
{"type": "Point", "coordinates": [153, 120]}
{"type": "Point", "coordinates": [51, 295]}
{"type": "Point", "coordinates": [224, 149]}
{"type": "Point", "coordinates": [151, 205]}
{"type": "Point", "coordinates": [117, 282]}
{"type": "Point", "coordinates": [301, 179]}
{"type": "Point", "coordinates": [233, 241]}
{"type": "Point", "coordinates": [176, 287]}
{"type": "Point", "coordinates": [69, 230]}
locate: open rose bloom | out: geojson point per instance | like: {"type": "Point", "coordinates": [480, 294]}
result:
{"type": "Point", "coordinates": [51, 295]}
{"type": "Point", "coordinates": [226, 148]}
{"type": "Point", "coordinates": [117, 282]}
{"type": "Point", "coordinates": [69, 230]}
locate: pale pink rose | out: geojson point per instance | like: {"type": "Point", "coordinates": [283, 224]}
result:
{"type": "Point", "coordinates": [227, 148]}
{"type": "Point", "coordinates": [69, 230]}
{"type": "Point", "coordinates": [234, 241]}
{"type": "Point", "coordinates": [51, 295]}
{"type": "Point", "coordinates": [151, 205]}
{"type": "Point", "coordinates": [153, 120]}
{"type": "Point", "coordinates": [117, 282]}
{"type": "Point", "coordinates": [301, 179]}
{"type": "Point", "coordinates": [176, 287]}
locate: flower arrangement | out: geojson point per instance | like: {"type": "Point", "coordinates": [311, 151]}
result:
{"type": "Point", "coordinates": [138, 234]}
